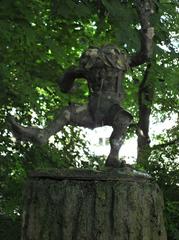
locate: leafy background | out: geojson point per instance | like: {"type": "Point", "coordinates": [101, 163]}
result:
{"type": "Point", "coordinates": [39, 40]}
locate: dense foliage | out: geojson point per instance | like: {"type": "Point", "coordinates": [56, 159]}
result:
{"type": "Point", "coordinates": [39, 40]}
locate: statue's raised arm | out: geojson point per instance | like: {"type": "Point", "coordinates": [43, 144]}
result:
{"type": "Point", "coordinates": [144, 8]}
{"type": "Point", "coordinates": [67, 80]}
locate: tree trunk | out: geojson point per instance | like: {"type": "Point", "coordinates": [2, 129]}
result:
{"type": "Point", "coordinates": [145, 100]}
{"type": "Point", "coordinates": [91, 205]}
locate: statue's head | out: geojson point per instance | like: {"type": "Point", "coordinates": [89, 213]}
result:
{"type": "Point", "coordinates": [106, 56]}
{"type": "Point", "coordinates": [111, 49]}
{"type": "Point", "coordinates": [89, 57]}
{"type": "Point", "coordinates": [92, 52]}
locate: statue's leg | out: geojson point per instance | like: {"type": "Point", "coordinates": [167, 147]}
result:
{"type": "Point", "coordinates": [120, 123]}
{"type": "Point", "coordinates": [72, 115]}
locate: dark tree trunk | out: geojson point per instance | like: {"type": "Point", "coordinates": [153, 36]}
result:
{"type": "Point", "coordinates": [88, 205]}
{"type": "Point", "coordinates": [145, 100]}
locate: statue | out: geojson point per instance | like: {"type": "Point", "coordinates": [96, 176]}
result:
{"type": "Point", "coordinates": [104, 69]}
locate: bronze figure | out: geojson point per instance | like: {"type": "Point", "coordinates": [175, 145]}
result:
{"type": "Point", "coordinates": [104, 70]}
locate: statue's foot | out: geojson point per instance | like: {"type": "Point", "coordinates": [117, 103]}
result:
{"type": "Point", "coordinates": [119, 166]}
{"type": "Point", "coordinates": [32, 134]}
{"type": "Point", "coordinates": [115, 162]}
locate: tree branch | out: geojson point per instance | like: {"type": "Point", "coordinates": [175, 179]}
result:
{"type": "Point", "coordinates": [145, 99]}
{"type": "Point", "coordinates": [144, 10]}
{"type": "Point", "coordinates": [165, 144]}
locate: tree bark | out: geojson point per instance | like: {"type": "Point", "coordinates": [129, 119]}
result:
{"type": "Point", "coordinates": [86, 205]}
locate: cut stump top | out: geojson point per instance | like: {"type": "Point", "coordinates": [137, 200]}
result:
{"type": "Point", "coordinates": [115, 174]}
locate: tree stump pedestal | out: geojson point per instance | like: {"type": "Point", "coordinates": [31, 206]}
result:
{"type": "Point", "coordinates": [92, 205]}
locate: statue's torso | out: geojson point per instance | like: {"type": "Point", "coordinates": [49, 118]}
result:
{"type": "Point", "coordinates": [105, 68]}
{"type": "Point", "coordinates": [106, 81]}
